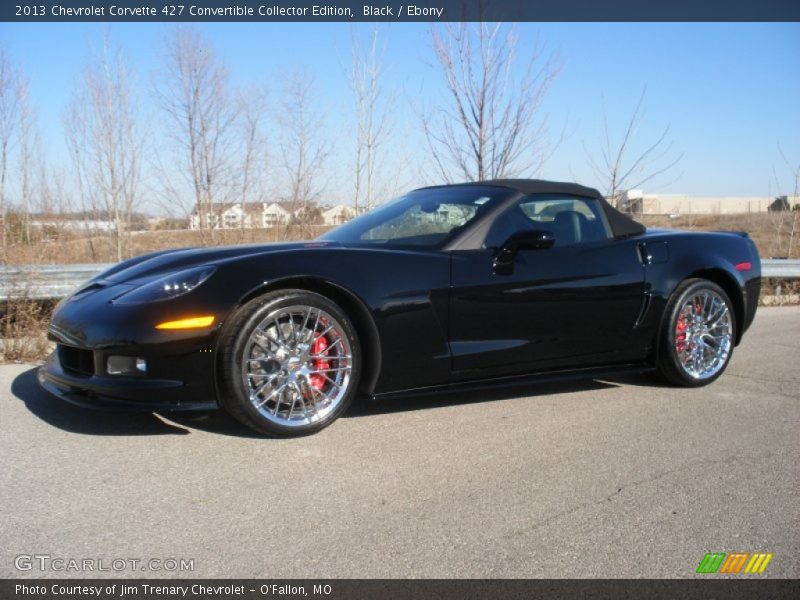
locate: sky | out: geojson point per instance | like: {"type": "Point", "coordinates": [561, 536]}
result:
{"type": "Point", "coordinates": [730, 93]}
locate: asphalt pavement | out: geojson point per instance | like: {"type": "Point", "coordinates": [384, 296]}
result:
{"type": "Point", "coordinates": [618, 478]}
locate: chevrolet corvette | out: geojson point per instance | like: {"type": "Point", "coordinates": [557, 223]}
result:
{"type": "Point", "coordinates": [477, 284]}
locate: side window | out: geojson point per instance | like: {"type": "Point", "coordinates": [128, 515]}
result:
{"type": "Point", "coordinates": [570, 220]}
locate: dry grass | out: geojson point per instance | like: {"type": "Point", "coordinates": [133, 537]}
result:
{"type": "Point", "coordinates": [779, 292]}
{"type": "Point", "coordinates": [68, 247]}
{"type": "Point", "coordinates": [23, 325]}
{"type": "Point", "coordinates": [23, 330]}
{"type": "Point", "coordinates": [778, 286]}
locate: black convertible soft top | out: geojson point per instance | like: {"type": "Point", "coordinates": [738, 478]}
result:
{"type": "Point", "coordinates": [621, 224]}
{"type": "Point", "coordinates": [541, 186]}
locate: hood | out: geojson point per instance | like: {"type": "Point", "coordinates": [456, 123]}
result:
{"type": "Point", "coordinates": [158, 263]}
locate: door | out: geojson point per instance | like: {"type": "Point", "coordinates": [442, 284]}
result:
{"type": "Point", "coordinates": [574, 304]}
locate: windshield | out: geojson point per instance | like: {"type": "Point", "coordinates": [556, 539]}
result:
{"type": "Point", "coordinates": [428, 217]}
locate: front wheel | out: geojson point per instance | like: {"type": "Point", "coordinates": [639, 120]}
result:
{"type": "Point", "coordinates": [290, 363]}
{"type": "Point", "coordinates": [698, 333]}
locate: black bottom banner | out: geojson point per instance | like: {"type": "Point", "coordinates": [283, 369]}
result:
{"type": "Point", "coordinates": [444, 589]}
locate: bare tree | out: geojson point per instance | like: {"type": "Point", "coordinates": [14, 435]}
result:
{"type": "Point", "coordinates": [303, 151]}
{"type": "Point", "coordinates": [54, 199]}
{"type": "Point", "coordinates": [794, 170]}
{"type": "Point", "coordinates": [621, 166]}
{"type": "Point", "coordinates": [254, 159]}
{"type": "Point", "coordinates": [9, 125]}
{"type": "Point", "coordinates": [490, 126]}
{"type": "Point", "coordinates": [28, 153]}
{"type": "Point", "coordinates": [372, 110]}
{"type": "Point", "coordinates": [194, 93]}
{"type": "Point", "coordinates": [105, 137]}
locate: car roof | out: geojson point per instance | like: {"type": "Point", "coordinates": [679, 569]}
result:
{"type": "Point", "coordinates": [533, 186]}
{"type": "Point", "coordinates": [621, 224]}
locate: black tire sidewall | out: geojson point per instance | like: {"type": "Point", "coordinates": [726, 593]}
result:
{"type": "Point", "coordinates": [234, 397]}
{"type": "Point", "coordinates": [669, 363]}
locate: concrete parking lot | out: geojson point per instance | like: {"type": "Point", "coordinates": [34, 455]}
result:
{"type": "Point", "coordinates": [620, 478]}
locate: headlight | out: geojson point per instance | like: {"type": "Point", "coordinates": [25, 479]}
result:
{"type": "Point", "coordinates": [167, 287]}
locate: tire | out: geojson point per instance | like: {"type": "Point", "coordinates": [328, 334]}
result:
{"type": "Point", "coordinates": [289, 363]}
{"type": "Point", "coordinates": [697, 334]}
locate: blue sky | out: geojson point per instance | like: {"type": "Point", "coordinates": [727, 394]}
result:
{"type": "Point", "coordinates": [730, 92]}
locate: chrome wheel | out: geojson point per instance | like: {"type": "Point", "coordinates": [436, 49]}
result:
{"type": "Point", "coordinates": [297, 365]}
{"type": "Point", "coordinates": [703, 334]}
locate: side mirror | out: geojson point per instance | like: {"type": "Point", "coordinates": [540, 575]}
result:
{"type": "Point", "coordinates": [538, 239]}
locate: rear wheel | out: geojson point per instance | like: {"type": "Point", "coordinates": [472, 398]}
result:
{"type": "Point", "coordinates": [697, 335]}
{"type": "Point", "coordinates": [290, 363]}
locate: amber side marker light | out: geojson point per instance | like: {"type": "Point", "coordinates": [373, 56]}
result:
{"type": "Point", "coordinates": [190, 323]}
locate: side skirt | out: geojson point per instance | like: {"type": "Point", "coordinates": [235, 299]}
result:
{"type": "Point", "coordinates": [518, 380]}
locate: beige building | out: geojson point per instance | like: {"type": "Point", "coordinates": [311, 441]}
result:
{"type": "Point", "coordinates": [234, 215]}
{"type": "Point", "coordinates": [637, 201]}
{"type": "Point", "coordinates": [274, 214]}
{"type": "Point", "coordinates": [336, 215]}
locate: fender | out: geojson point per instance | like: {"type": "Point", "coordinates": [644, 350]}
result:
{"type": "Point", "coordinates": [688, 256]}
{"type": "Point", "coordinates": [384, 309]}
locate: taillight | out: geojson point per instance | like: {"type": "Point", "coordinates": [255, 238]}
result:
{"type": "Point", "coordinates": [744, 266]}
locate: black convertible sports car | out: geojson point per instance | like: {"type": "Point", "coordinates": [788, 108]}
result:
{"type": "Point", "coordinates": [470, 284]}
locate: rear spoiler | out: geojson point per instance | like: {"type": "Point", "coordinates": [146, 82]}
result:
{"type": "Point", "coordinates": [743, 234]}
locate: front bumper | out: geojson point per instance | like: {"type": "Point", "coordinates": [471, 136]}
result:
{"type": "Point", "coordinates": [89, 328]}
{"type": "Point", "coordinates": [119, 393]}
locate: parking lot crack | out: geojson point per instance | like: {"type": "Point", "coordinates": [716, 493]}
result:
{"type": "Point", "coordinates": [635, 484]}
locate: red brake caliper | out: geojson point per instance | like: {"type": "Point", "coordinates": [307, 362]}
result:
{"type": "Point", "coordinates": [320, 346]}
{"type": "Point", "coordinates": [680, 328]}
{"type": "Point", "coordinates": [680, 333]}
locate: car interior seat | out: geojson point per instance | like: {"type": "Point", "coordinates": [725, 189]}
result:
{"type": "Point", "coordinates": [569, 227]}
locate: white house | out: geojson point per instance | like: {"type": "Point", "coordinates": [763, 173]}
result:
{"type": "Point", "coordinates": [234, 215]}
{"type": "Point", "coordinates": [337, 215]}
{"type": "Point", "coordinates": [274, 214]}
{"type": "Point", "coordinates": [221, 215]}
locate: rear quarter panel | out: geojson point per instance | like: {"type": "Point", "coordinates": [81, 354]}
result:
{"type": "Point", "coordinates": [714, 255]}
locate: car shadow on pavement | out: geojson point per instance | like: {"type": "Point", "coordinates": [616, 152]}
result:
{"type": "Point", "coordinates": [645, 379]}
{"type": "Point", "coordinates": [222, 423]}
{"type": "Point", "coordinates": [75, 419]}
{"type": "Point", "coordinates": [365, 407]}
{"type": "Point", "coordinates": [212, 421]}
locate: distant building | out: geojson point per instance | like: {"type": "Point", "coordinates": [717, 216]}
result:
{"type": "Point", "coordinates": [274, 214]}
{"type": "Point", "coordinates": [233, 215]}
{"type": "Point", "coordinates": [220, 215]}
{"type": "Point", "coordinates": [75, 223]}
{"type": "Point", "coordinates": [337, 215]}
{"type": "Point", "coordinates": [636, 201]}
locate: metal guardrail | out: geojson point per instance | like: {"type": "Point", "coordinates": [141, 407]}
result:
{"type": "Point", "coordinates": [44, 282]}
{"type": "Point", "coordinates": [778, 267]}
